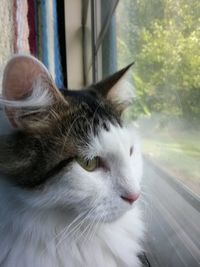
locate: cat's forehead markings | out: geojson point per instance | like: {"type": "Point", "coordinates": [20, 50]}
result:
{"type": "Point", "coordinates": [90, 112]}
{"type": "Point", "coordinates": [115, 141]}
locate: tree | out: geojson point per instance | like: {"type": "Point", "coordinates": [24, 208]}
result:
{"type": "Point", "coordinates": [164, 38]}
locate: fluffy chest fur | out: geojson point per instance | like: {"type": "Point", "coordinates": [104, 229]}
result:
{"type": "Point", "coordinates": [38, 239]}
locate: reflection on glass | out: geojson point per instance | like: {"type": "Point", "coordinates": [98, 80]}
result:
{"type": "Point", "coordinates": [163, 38]}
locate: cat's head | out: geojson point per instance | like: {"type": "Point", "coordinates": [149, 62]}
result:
{"type": "Point", "coordinates": [69, 149]}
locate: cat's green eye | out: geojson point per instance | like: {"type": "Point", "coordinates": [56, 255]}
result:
{"type": "Point", "coordinates": [88, 165]}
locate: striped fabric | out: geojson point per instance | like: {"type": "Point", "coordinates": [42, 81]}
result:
{"type": "Point", "coordinates": [48, 45]}
{"type": "Point", "coordinates": [22, 28]}
{"type": "Point", "coordinates": [31, 26]}
{"type": "Point", "coordinates": [57, 60]}
{"type": "Point", "coordinates": [7, 34]}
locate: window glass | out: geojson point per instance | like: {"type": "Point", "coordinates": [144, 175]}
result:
{"type": "Point", "coordinates": [163, 38]}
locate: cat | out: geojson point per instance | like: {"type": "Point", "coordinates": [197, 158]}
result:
{"type": "Point", "coordinates": [70, 172]}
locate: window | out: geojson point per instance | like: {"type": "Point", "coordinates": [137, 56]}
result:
{"type": "Point", "coordinates": [99, 39]}
{"type": "Point", "coordinates": [162, 37]}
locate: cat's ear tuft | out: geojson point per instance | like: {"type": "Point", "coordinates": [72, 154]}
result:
{"type": "Point", "coordinates": [117, 89]}
{"type": "Point", "coordinates": [27, 85]}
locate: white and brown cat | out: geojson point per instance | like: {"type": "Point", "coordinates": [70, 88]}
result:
{"type": "Point", "coordinates": [70, 172]}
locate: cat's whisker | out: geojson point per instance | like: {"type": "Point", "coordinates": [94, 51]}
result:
{"type": "Point", "coordinates": [90, 229]}
{"type": "Point", "coordinates": [87, 216]}
{"type": "Point", "coordinates": [95, 228]}
{"type": "Point", "coordinates": [77, 227]}
{"type": "Point", "coordinates": [85, 231]}
{"type": "Point", "coordinates": [71, 224]}
{"type": "Point", "coordinates": [64, 230]}
{"type": "Point", "coordinates": [92, 225]}
{"type": "Point", "coordinates": [67, 232]}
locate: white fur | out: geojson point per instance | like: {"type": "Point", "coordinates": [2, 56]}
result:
{"type": "Point", "coordinates": [122, 92]}
{"type": "Point", "coordinates": [40, 97]}
{"type": "Point", "coordinates": [78, 219]}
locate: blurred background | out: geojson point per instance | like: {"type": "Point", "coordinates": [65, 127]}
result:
{"type": "Point", "coordinates": [83, 41]}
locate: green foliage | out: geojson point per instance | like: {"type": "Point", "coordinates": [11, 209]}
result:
{"type": "Point", "coordinates": [163, 37]}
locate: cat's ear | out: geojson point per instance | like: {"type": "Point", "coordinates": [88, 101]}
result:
{"type": "Point", "coordinates": [28, 91]}
{"type": "Point", "coordinates": [117, 89]}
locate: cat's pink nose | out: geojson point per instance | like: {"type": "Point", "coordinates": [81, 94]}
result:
{"type": "Point", "coordinates": [130, 198]}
